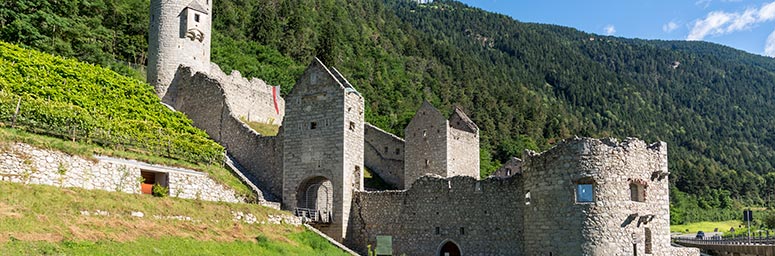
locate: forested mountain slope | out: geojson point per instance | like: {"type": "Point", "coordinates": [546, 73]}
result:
{"type": "Point", "coordinates": [526, 85]}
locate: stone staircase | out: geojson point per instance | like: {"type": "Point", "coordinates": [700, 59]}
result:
{"type": "Point", "coordinates": [264, 198]}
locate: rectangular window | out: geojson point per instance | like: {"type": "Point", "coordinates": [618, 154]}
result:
{"type": "Point", "coordinates": [462, 230]}
{"type": "Point", "coordinates": [196, 17]}
{"type": "Point", "coordinates": [313, 125]}
{"type": "Point", "coordinates": [585, 193]}
{"type": "Point", "coordinates": [637, 192]}
{"type": "Point", "coordinates": [438, 230]}
{"type": "Point", "coordinates": [398, 151]}
{"type": "Point", "coordinates": [352, 126]}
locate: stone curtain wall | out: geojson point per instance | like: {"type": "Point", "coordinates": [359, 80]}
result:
{"type": "Point", "coordinates": [613, 222]}
{"type": "Point", "coordinates": [383, 153]}
{"type": "Point", "coordinates": [498, 219]}
{"type": "Point", "coordinates": [250, 99]}
{"type": "Point", "coordinates": [204, 100]}
{"type": "Point", "coordinates": [481, 217]}
{"type": "Point", "coordinates": [26, 164]}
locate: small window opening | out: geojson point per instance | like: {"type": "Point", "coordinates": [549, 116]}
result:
{"type": "Point", "coordinates": [424, 133]}
{"type": "Point", "coordinates": [427, 162]}
{"type": "Point", "coordinates": [462, 230]}
{"type": "Point", "coordinates": [637, 192]}
{"type": "Point", "coordinates": [398, 151]}
{"type": "Point", "coordinates": [196, 17]}
{"type": "Point", "coordinates": [527, 198]}
{"type": "Point", "coordinates": [438, 230]}
{"type": "Point", "coordinates": [313, 125]}
{"type": "Point", "coordinates": [585, 191]}
{"type": "Point", "coordinates": [352, 126]}
{"type": "Point", "coordinates": [647, 241]}
{"type": "Point", "coordinates": [386, 149]}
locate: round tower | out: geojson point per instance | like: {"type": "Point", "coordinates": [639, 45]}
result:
{"type": "Point", "coordinates": [179, 34]}
{"type": "Point", "coordinates": [597, 197]}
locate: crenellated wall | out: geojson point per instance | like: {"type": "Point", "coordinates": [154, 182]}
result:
{"type": "Point", "coordinates": [532, 213]}
{"type": "Point", "coordinates": [205, 100]}
{"type": "Point", "coordinates": [383, 153]}
{"type": "Point", "coordinates": [481, 217]}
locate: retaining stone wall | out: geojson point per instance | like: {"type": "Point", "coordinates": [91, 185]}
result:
{"type": "Point", "coordinates": [383, 153]}
{"type": "Point", "coordinates": [26, 164]}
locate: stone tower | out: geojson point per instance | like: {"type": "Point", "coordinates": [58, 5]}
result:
{"type": "Point", "coordinates": [323, 148]}
{"type": "Point", "coordinates": [597, 197]}
{"type": "Point", "coordinates": [435, 145]}
{"type": "Point", "coordinates": [179, 35]}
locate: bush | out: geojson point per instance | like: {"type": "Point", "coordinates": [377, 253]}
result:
{"type": "Point", "coordinates": [159, 191]}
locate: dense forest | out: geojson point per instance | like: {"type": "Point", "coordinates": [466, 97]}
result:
{"type": "Point", "coordinates": [526, 85]}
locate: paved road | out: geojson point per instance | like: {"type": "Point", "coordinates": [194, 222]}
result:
{"type": "Point", "coordinates": [708, 235]}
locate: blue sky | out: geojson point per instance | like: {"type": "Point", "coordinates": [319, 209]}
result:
{"type": "Point", "coordinates": [748, 25]}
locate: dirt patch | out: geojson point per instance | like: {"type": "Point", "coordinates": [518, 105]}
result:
{"type": "Point", "coordinates": [46, 237]}
{"type": "Point", "coordinates": [7, 211]}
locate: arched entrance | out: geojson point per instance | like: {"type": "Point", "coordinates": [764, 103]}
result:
{"type": "Point", "coordinates": [449, 248]}
{"type": "Point", "coordinates": [314, 200]}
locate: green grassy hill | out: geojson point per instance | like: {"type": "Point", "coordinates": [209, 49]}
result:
{"type": "Point", "coordinates": [45, 220]}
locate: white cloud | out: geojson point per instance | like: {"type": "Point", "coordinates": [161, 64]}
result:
{"type": "Point", "coordinates": [670, 26]}
{"type": "Point", "coordinates": [712, 24]}
{"type": "Point", "coordinates": [720, 22]}
{"type": "Point", "coordinates": [703, 3]}
{"type": "Point", "coordinates": [610, 29]}
{"type": "Point", "coordinates": [769, 47]}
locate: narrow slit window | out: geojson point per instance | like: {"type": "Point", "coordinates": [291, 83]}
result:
{"type": "Point", "coordinates": [527, 198]}
{"type": "Point", "coordinates": [196, 17]}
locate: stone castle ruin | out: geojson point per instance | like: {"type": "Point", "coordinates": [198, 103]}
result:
{"type": "Point", "coordinates": [582, 197]}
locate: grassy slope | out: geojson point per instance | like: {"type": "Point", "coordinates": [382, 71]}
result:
{"type": "Point", "coordinates": [48, 220]}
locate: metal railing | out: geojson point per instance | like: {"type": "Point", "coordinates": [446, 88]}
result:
{"type": "Point", "coordinates": [744, 240]}
{"type": "Point", "coordinates": [313, 215]}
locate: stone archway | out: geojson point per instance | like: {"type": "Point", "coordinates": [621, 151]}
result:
{"type": "Point", "coordinates": [314, 200]}
{"type": "Point", "coordinates": [449, 248]}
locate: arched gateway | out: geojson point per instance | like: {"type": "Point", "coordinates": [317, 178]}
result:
{"type": "Point", "coordinates": [449, 248]}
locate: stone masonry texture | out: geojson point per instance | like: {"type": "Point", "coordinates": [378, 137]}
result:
{"type": "Point", "coordinates": [27, 164]}
{"type": "Point", "coordinates": [490, 217]}
{"type": "Point", "coordinates": [383, 153]}
{"type": "Point", "coordinates": [175, 38]}
{"type": "Point", "coordinates": [323, 138]}
{"type": "Point", "coordinates": [204, 99]}
{"type": "Point", "coordinates": [317, 160]}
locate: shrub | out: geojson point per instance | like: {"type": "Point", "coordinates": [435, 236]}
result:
{"type": "Point", "coordinates": [159, 191]}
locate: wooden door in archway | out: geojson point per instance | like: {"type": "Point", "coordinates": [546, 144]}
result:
{"type": "Point", "coordinates": [449, 249]}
